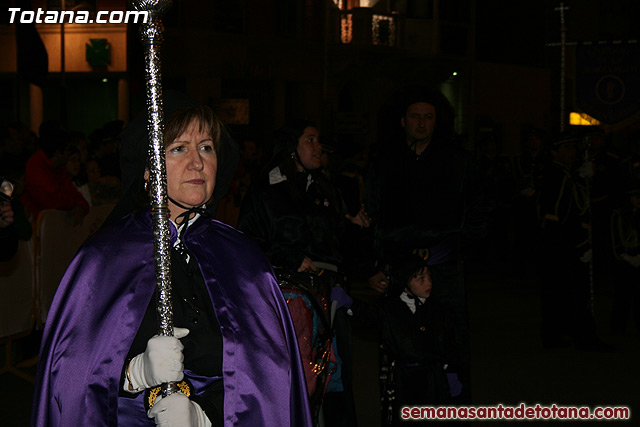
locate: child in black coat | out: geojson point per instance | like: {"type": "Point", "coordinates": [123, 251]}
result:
{"type": "Point", "coordinates": [417, 341]}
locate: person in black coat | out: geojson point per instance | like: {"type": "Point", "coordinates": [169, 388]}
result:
{"type": "Point", "coordinates": [291, 209]}
{"type": "Point", "coordinates": [424, 194]}
{"type": "Point", "coordinates": [298, 218]}
{"type": "Point", "coordinates": [566, 249]}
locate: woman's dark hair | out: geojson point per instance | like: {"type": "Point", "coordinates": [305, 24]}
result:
{"type": "Point", "coordinates": [286, 158]}
{"type": "Point", "coordinates": [287, 138]}
{"type": "Point", "coordinates": [182, 118]}
{"type": "Point", "coordinates": [81, 177]}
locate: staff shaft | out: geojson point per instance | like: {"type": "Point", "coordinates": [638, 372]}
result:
{"type": "Point", "coordinates": [152, 38]}
{"type": "Point", "coordinates": [151, 34]}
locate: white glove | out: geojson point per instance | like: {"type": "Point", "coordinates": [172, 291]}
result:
{"type": "Point", "coordinates": [160, 363]}
{"type": "Point", "coordinates": [586, 170]}
{"type": "Point", "coordinates": [587, 256]}
{"type": "Point", "coordinates": [634, 260]}
{"type": "Point", "coordinates": [177, 410]}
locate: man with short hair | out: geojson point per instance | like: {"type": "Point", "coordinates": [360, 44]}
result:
{"type": "Point", "coordinates": [424, 200]}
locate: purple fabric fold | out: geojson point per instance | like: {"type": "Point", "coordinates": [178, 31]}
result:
{"type": "Point", "coordinates": [101, 301]}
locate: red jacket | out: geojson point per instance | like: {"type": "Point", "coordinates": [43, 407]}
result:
{"type": "Point", "coordinates": [49, 188]}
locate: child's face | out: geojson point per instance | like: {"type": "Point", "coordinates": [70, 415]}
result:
{"type": "Point", "coordinates": [421, 284]}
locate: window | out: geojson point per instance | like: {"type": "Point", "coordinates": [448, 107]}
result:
{"type": "Point", "coordinates": [384, 30]}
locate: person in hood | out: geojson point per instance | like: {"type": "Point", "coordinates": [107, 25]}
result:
{"type": "Point", "coordinates": [298, 218]}
{"type": "Point", "coordinates": [234, 342]}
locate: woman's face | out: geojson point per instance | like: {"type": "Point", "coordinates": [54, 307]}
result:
{"type": "Point", "coordinates": [192, 164]}
{"type": "Point", "coordinates": [93, 171]}
{"type": "Point", "coordinates": [421, 284]}
{"type": "Point", "coordinates": [309, 149]}
{"type": "Point", "coordinates": [73, 165]}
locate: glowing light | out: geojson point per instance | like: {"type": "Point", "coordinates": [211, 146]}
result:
{"type": "Point", "coordinates": [346, 31]}
{"type": "Point", "coordinates": [384, 30]}
{"type": "Point", "coordinates": [582, 119]}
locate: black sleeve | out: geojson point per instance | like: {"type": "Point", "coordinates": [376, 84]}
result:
{"type": "Point", "coordinates": [257, 220]}
{"type": "Point", "coordinates": [366, 313]}
{"type": "Point", "coordinates": [8, 242]}
{"type": "Point", "coordinates": [453, 352]}
{"type": "Point", "coordinates": [212, 403]}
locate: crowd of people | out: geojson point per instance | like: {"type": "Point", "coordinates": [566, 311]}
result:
{"type": "Point", "coordinates": [59, 168]}
{"type": "Point", "coordinates": [300, 229]}
{"type": "Point", "coordinates": [563, 201]}
{"type": "Point", "coordinates": [561, 213]}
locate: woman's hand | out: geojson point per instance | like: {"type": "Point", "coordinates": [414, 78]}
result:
{"type": "Point", "coordinates": [160, 363]}
{"type": "Point", "coordinates": [379, 282]}
{"type": "Point", "coordinates": [176, 410]}
{"type": "Point", "coordinates": [361, 219]}
{"type": "Point", "coordinates": [307, 266]}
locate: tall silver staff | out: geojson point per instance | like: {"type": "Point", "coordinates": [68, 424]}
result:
{"type": "Point", "coordinates": [563, 69]}
{"type": "Point", "coordinates": [152, 38]}
{"type": "Point", "coordinates": [563, 119]}
{"type": "Point", "coordinates": [588, 162]}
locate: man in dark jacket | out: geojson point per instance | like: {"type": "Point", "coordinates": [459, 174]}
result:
{"type": "Point", "coordinates": [423, 199]}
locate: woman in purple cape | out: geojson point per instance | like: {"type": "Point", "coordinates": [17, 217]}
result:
{"type": "Point", "coordinates": [234, 340]}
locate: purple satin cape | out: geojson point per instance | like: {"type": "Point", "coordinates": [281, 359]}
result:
{"type": "Point", "coordinates": [100, 304]}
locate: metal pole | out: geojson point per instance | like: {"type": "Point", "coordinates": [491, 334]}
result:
{"type": "Point", "coordinates": [588, 161]}
{"type": "Point", "coordinates": [563, 71]}
{"type": "Point", "coordinates": [63, 73]}
{"type": "Point", "coordinates": [151, 34]}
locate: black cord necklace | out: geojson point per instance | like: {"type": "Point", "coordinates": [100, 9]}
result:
{"type": "Point", "coordinates": [184, 217]}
